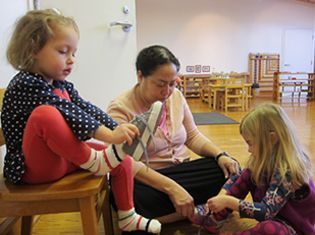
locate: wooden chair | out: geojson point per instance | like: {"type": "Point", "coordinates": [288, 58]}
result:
{"type": "Point", "coordinates": [247, 95]}
{"type": "Point", "coordinates": [204, 89]}
{"type": "Point", "coordinates": [80, 191]}
{"type": "Point", "coordinates": [215, 87]}
{"type": "Point", "coordinates": [234, 93]}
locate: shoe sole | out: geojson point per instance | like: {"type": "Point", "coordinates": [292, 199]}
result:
{"type": "Point", "coordinates": [157, 108]}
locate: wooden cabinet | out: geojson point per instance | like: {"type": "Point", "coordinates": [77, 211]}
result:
{"type": "Point", "coordinates": [192, 84]}
{"type": "Point", "coordinates": [262, 67]}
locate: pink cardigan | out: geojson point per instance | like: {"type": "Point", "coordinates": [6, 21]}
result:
{"type": "Point", "coordinates": [182, 132]}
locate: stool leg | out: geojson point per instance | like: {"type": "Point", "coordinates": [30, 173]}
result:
{"type": "Point", "coordinates": [26, 225]}
{"type": "Point", "coordinates": [107, 215]}
{"type": "Point", "coordinates": [89, 216]}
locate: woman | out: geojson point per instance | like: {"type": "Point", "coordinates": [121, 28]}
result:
{"type": "Point", "coordinates": [171, 183]}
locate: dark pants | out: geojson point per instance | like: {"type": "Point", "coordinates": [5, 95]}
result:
{"type": "Point", "coordinates": [202, 178]}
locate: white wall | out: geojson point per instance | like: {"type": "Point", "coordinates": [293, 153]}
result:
{"type": "Point", "coordinates": [220, 33]}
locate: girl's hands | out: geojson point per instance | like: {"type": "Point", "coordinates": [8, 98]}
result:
{"type": "Point", "coordinates": [216, 204]}
{"type": "Point", "coordinates": [124, 132]}
{"type": "Point", "coordinates": [220, 202]}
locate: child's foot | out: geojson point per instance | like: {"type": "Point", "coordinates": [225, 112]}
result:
{"type": "Point", "coordinates": [203, 219]}
{"type": "Point", "coordinates": [147, 124]}
{"type": "Point", "coordinates": [131, 221]}
{"type": "Point", "coordinates": [209, 221]}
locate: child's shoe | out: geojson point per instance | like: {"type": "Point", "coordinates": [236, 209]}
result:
{"type": "Point", "coordinates": [147, 124]}
{"type": "Point", "coordinates": [211, 222]}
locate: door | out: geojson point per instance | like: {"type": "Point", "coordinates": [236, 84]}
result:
{"type": "Point", "coordinates": [106, 54]}
{"type": "Point", "coordinates": [298, 51]}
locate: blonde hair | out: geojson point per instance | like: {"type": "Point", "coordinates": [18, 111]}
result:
{"type": "Point", "coordinates": [31, 33]}
{"type": "Point", "coordinates": [286, 155]}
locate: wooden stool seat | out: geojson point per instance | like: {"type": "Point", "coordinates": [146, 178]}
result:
{"type": "Point", "coordinates": [80, 191]}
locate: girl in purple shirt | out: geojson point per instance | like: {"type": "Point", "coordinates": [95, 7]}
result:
{"type": "Point", "coordinates": [278, 176]}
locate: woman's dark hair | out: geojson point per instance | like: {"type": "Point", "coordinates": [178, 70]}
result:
{"type": "Point", "coordinates": [150, 58]}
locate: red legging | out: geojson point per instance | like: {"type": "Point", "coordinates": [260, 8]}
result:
{"type": "Point", "coordinates": [51, 151]}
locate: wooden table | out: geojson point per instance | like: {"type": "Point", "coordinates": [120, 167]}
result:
{"type": "Point", "coordinates": [219, 85]}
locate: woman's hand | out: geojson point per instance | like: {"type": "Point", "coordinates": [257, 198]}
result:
{"type": "Point", "coordinates": [182, 201]}
{"type": "Point", "coordinates": [229, 166]}
{"type": "Point", "coordinates": [124, 132]}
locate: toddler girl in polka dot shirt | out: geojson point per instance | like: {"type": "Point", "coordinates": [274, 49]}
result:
{"type": "Point", "coordinates": [46, 122]}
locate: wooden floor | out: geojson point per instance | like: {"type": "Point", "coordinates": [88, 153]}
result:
{"type": "Point", "coordinates": [226, 136]}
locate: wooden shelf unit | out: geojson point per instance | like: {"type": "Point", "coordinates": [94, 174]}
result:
{"type": "Point", "coordinates": [296, 85]}
{"type": "Point", "coordinates": [261, 68]}
{"type": "Point", "coordinates": [192, 84]}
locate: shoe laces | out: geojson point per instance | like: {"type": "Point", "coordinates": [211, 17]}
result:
{"type": "Point", "coordinates": [145, 152]}
{"type": "Point", "coordinates": [201, 210]}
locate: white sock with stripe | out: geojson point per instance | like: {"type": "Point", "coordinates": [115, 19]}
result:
{"type": "Point", "coordinates": [130, 221]}
{"type": "Point", "coordinates": [102, 161]}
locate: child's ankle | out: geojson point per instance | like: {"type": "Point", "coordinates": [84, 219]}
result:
{"type": "Point", "coordinates": [130, 221]}
{"type": "Point", "coordinates": [118, 152]}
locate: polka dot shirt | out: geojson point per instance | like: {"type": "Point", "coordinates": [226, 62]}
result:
{"type": "Point", "coordinates": [27, 91]}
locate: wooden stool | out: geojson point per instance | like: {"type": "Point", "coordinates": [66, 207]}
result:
{"type": "Point", "coordinates": [80, 191]}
